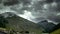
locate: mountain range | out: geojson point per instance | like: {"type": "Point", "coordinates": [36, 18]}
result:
{"type": "Point", "coordinates": [19, 24]}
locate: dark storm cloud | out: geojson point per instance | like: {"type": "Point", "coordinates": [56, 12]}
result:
{"type": "Point", "coordinates": [52, 8]}
{"type": "Point", "coordinates": [25, 1]}
{"type": "Point", "coordinates": [10, 2]}
{"type": "Point", "coordinates": [21, 6]}
{"type": "Point", "coordinates": [58, 7]}
{"type": "Point", "coordinates": [0, 1]}
{"type": "Point", "coordinates": [13, 2]}
{"type": "Point", "coordinates": [49, 1]}
{"type": "Point", "coordinates": [39, 9]}
{"type": "Point", "coordinates": [54, 18]}
{"type": "Point", "coordinates": [57, 0]}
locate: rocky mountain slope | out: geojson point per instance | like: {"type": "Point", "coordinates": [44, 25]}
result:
{"type": "Point", "coordinates": [19, 24]}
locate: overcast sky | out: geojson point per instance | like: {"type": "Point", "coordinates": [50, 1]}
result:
{"type": "Point", "coordinates": [33, 10]}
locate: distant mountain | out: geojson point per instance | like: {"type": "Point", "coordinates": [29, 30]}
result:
{"type": "Point", "coordinates": [20, 24]}
{"type": "Point", "coordinates": [56, 27]}
{"type": "Point", "coordinates": [48, 27]}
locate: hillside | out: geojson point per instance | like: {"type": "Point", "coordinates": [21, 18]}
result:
{"type": "Point", "coordinates": [19, 24]}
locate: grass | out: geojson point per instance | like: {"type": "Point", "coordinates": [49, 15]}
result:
{"type": "Point", "coordinates": [56, 31]}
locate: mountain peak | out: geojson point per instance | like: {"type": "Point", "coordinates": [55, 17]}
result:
{"type": "Point", "coordinates": [8, 14]}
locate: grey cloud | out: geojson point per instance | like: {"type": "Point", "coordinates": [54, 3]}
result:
{"type": "Point", "coordinates": [54, 18]}
{"type": "Point", "coordinates": [37, 9]}
{"type": "Point", "coordinates": [49, 1]}
{"type": "Point", "coordinates": [57, 0]}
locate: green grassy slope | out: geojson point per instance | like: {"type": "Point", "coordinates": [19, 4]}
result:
{"type": "Point", "coordinates": [20, 24]}
{"type": "Point", "coordinates": [56, 31]}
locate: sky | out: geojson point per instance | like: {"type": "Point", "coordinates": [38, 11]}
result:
{"type": "Point", "coordinates": [33, 10]}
